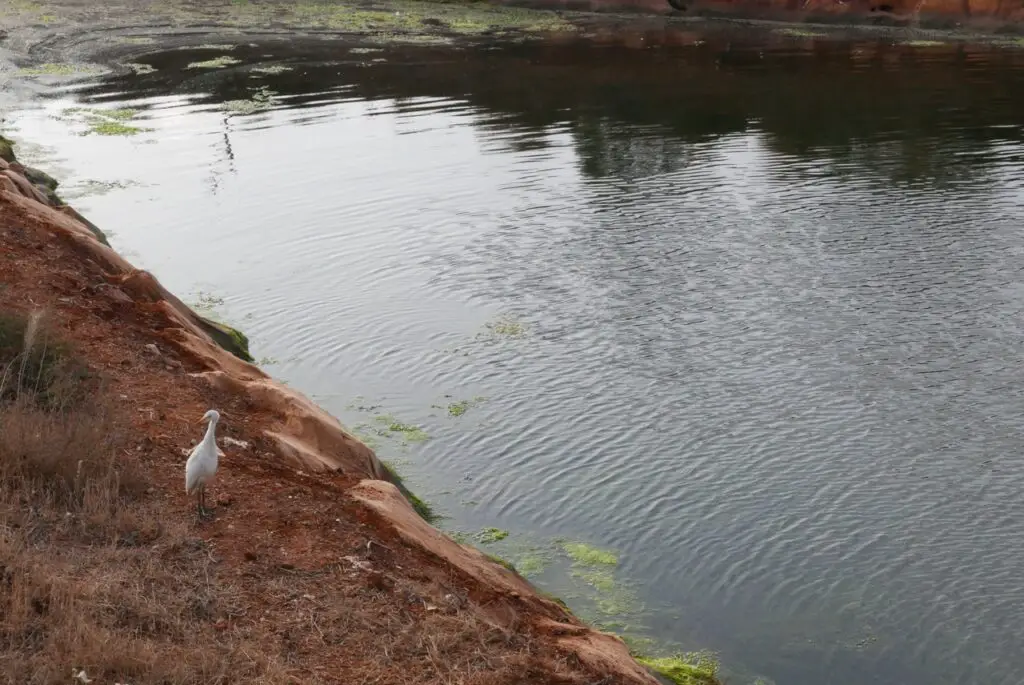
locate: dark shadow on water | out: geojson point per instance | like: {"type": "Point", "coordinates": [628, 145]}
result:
{"type": "Point", "coordinates": [908, 114]}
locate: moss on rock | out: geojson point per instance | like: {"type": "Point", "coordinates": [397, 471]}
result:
{"type": "Point", "coordinates": [7, 149]}
{"type": "Point", "coordinates": [231, 339]}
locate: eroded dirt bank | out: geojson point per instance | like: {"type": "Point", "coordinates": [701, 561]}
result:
{"type": "Point", "coordinates": [314, 569]}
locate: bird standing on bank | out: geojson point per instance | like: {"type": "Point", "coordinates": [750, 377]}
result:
{"type": "Point", "coordinates": [202, 463]}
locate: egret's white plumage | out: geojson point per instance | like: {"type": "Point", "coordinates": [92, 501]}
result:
{"type": "Point", "coordinates": [202, 462]}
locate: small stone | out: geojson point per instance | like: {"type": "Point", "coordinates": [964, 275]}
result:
{"type": "Point", "coordinates": [221, 625]}
{"type": "Point", "coordinates": [224, 500]}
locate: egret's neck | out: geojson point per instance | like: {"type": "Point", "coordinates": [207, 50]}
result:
{"type": "Point", "coordinates": [211, 429]}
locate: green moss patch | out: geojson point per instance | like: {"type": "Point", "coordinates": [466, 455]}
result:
{"type": "Point", "coordinates": [421, 507]}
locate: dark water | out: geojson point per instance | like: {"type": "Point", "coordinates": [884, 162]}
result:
{"type": "Point", "coordinates": [768, 294]}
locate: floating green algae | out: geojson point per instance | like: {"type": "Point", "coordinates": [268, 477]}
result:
{"type": "Point", "coordinates": [409, 432]}
{"type": "Point", "coordinates": [59, 69]}
{"type": "Point", "coordinates": [684, 669]}
{"type": "Point", "coordinates": [490, 535]}
{"type": "Point", "coordinates": [460, 407]}
{"type": "Point", "coordinates": [215, 63]}
{"type": "Point", "coordinates": [261, 100]}
{"type": "Point", "coordinates": [505, 326]}
{"type": "Point", "coordinates": [272, 69]}
{"type": "Point", "coordinates": [587, 555]}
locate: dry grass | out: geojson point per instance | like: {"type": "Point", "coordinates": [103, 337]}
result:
{"type": "Point", "coordinates": [102, 572]}
{"type": "Point", "coordinates": [91, 577]}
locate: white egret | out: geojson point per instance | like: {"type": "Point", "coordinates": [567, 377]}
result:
{"type": "Point", "coordinates": [202, 462]}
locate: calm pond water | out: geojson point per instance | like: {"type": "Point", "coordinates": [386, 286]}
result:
{"type": "Point", "coordinates": [747, 310]}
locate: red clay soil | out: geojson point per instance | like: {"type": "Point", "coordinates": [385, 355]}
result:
{"type": "Point", "coordinates": [334, 578]}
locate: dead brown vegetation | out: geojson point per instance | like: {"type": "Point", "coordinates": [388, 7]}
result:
{"type": "Point", "coordinates": [91, 576]}
{"type": "Point", "coordinates": [95, 576]}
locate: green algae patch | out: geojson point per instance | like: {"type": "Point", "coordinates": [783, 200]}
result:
{"type": "Point", "coordinates": [60, 69]}
{"type": "Point", "coordinates": [408, 432]}
{"type": "Point", "coordinates": [121, 114]}
{"type": "Point", "coordinates": [272, 69]}
{"type": "Point", "coordinates": [488, 536]}
{"type": "Point", "coordinates": [215, 63]}
{"type": "Point", "coordinates": [587, 555]}
{"type": "Point", "coordinates": [600, 579]}
{"type": "Point", "coordinates": [105, 122]}
{"type": "Point", "coordinates": [532, 564]}
{"type": "Point", "coordinates": [504, 326]}
{"type": "Point", "coordinates": [460, 407]}
{"type": "Point", "coordinates": [261, 100]}
{"type": "Point", "coordinates": [106, 127]}
{"type": "Point", "coordinates": [684, 669]}
{"type": "Point", "coordinates": [924, 43]}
